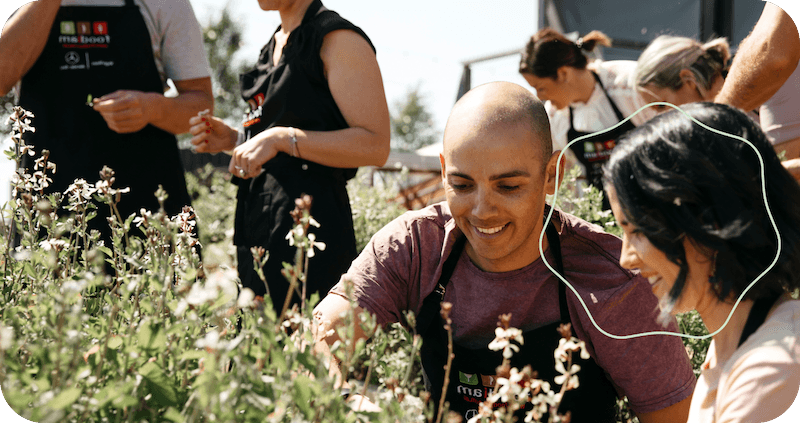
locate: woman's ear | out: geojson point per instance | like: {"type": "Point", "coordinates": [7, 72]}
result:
{"type": "Point", "coordinates": [687, 77]}
{"type": "Point", "coordinates": [563, 74]}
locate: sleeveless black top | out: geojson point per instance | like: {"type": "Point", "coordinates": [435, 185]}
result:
{"type": "Point", "coordinates": [294, 93]}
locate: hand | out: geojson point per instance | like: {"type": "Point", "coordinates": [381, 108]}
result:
{"type": "Point", "coordinates": [249, 157]}
{"type": "Point", "coordinates": [124, 111]}
{"type": "Point", "coordinates": [211, 134]}
{"type": "Point", "coordinates": [793, 166]}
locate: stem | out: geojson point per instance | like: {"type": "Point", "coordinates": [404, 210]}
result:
{"type": "Point", "coordinates": [298, 258]}
{"type": "Point", "coordinates": [372, 359]}
{"type": "Point", "coordinates": [447, 367]}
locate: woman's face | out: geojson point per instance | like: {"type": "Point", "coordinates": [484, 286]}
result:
{"type": "Point", "coordinates": [549, 89]}
{"type": "Point", "coordinates": [639, 253]}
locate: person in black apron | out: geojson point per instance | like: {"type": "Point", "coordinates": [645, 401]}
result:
{"type": "Point", "coordinates": [559, 71]}
{"type": "Point", "coordinates": [593, 152]}
{"type": "Point", "coordinates": [593, 401]}
{"type": "Point", "coordinates": [684, 192]}
{"type": "Point", "coordinates": [290, 99]}
{"type": "Point", "coordinates": [92, 51]}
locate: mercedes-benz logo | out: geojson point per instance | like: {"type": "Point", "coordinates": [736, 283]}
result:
{"type": "Point", "coordinates": [72, 58]}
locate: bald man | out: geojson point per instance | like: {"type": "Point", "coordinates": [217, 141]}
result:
{"type": "Point", "coordinates": [479, 251]}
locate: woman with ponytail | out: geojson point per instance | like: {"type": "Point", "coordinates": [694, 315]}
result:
{"type": "Point", "coordinates": [582, 97]}
{"type": "Point", "coordinates": [680, 70]}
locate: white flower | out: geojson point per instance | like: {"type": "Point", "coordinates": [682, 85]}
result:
{"type": "Point", "coordinates": [246, 298]}
{"type": "Point", "coordinates": [211, 341]}
{"type": "Point", "coordinates": [312, 242]}
{"type": "Point", "coordinates": [502, 341]}
{"type": "Point", "coordinates": [6, 338]}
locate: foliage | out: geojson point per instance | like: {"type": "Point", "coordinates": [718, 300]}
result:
{"type": "Point", "coordinates": [586, 202]}
{"type": "Point", "coordinates": [223, 38]}
{"type": "Point", "coordinates": [412, 124]}
{"type": "Point", "coordinates": [213, 197]}
{"type": "Point", "coordinates": [372, 207]}
{"type": "Point", "coordinates": [157, 339]}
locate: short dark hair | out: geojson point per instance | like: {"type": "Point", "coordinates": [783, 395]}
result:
{"type": "Point", "coordinates": [548, 50]}
{"type": "Point", "coordinates": [676, 179]}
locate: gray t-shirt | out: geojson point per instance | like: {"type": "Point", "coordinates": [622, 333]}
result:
{"type": "Point", "coordinates": [402, 263]}
{"type": "Point", "coordinates": [780, 115]}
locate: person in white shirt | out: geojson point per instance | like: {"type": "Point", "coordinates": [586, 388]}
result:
{"type": "Point", "coordinates": [582, 97]}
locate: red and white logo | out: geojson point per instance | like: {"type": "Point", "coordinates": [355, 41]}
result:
{"type": "Point", "coordinates": [100, 28]}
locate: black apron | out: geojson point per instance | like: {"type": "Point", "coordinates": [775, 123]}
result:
{"type": "Point", "coordinates": [96, 51]}
{"type": "Point", "coordinates": [593, 152]}
{"type": "Point", "coordinates": [294, 93]}
{"type": "Point", "coordinates": [473, 370]}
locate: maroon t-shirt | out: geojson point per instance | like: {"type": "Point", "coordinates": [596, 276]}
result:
{"type": "Point", "coordinates": [402, 263]}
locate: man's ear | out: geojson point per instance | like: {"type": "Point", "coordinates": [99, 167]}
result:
{"type": "Point", "coordinates": [550, 186]}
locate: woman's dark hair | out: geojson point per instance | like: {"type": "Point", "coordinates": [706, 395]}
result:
{"type": "Point", "coordinates": [548, 50]}
{"type": "Point", "coordinates": [675, 179]}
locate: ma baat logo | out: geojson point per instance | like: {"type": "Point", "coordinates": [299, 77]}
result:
{"type": "Point", "coordinates": [84, 33]}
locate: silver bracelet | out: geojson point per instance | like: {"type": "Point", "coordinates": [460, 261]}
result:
{"type": "Point", "coordinates": [239, 138]}
{"type": "Point", "coordinates": [293, 141]}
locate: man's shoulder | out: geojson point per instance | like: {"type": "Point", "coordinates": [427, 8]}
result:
{"type": "Point", "coordinates": [590, 251]}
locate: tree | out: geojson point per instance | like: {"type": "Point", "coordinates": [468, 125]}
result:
{"type": "Point", "coordinates": [222, 39]}
{"type": "Point", "coordinates": [412, 124]}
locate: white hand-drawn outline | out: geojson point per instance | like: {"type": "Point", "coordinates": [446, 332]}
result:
{"type": "Point", "coordinates": [741, 296]}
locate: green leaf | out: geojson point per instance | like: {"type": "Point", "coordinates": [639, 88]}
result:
{"type": "Point", "coordinates": [115, 342]}
{"type": "Point", "coordinates": [192, 355]}
{"type": "Point", "coordinates": [66, 398]}
{"type": "Point", "coordinates": [302, 395]}
{"type": "Point", "coordinates": [152, 337]}
{"type": "Point", "coordinates": [159, 384]}
{"type": "Point", "coordinates": [174, 415]}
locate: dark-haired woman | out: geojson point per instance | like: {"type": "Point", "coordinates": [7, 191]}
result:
{"type": "Point", "coordinates": [317, 112]}
{"type": "Point", "coordinates": [582, 97]}
{"type": "Point", "coordinates": [696, 224]}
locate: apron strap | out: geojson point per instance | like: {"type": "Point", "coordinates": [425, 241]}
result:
{"type": "Point", "coordinates": [432, 303]}
{"type": "Point", "coordinates": [757, 316]}
{"type": "Point", "coordinates": [555, 249]}
{"type": "Point", "coordinates": [610, 100]}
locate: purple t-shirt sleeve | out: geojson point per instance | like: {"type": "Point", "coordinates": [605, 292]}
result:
{"type": "Point", "coordinates": [653, 371]}
{"type": "Point", "coordinates": [389, 274]}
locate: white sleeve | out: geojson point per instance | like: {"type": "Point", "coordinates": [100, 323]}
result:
{"type": "Point", "coordinates": [182, 52]}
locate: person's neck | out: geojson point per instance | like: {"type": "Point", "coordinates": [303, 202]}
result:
{"type": "Point", "coordinates": [292, 16]}
{"type": "Point", "coordinates": [584, 85]}
{"type": "Point", "coordinates": [714, 313]}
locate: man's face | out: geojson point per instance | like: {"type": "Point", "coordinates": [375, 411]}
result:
{"type": "Point", "coordinates": [495, 185]}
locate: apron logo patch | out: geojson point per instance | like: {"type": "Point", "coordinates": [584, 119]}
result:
{"type": "Point", "coordinates": [488, 381]}
{"type": "Point", "coordinates": [469, 379]}
{"type": "Point", "coordinates": [68, 28]}
{"type": "Point", "coordinates": [84, 34]}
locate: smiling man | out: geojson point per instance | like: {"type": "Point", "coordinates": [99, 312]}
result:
{"type": "Point", "coordinates": [479, 251]}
